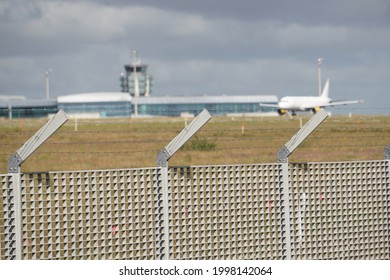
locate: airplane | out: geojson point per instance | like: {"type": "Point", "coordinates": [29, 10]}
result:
{"type": "Point", "coordinates": [308, 103]}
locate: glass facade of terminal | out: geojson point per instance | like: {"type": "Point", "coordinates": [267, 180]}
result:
{"type": "Point", "coordinates": [215, 104]}
{"type": "Point", "coordinates": [37, 108]}
{"type": "Point", "coordinates": [27, 112]}
{"type": "Point", "coordinates": [172, 110]}
{"type": "Point", "coordinates": [103, 109]}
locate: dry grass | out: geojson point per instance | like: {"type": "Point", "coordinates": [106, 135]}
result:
{"type": "Point", "coordinates": [124, 143]}
{"type": "Point", "coordinates": [119, 143]}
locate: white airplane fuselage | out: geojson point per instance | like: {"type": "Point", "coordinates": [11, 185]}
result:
{"type": "Point", "coordinates": [294, 104]}
{"type": "Point", "coordinates": [302, 103]}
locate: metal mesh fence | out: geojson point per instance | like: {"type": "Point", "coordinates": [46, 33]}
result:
{"type": "Point", "coordinates": [91, 215]}
{"type": "Point", "coordinates": [340, 210]}
{"type": "Point", "coordinates": [225, 212]}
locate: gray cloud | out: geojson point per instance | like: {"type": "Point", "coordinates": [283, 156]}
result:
{"type": "Point", "coordinates": [298, 11]}
{"type": "Point", "coordinates": [198, 47]}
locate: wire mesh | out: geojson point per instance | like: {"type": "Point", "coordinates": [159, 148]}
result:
{"type": "Point", "coordinates": [225, 212]}
{"type": "Point", "coordinates": [113, 214]}
{"type": "Point", "coordinates": [339, 210]}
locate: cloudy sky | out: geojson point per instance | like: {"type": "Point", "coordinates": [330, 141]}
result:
{"type": "Point", "coordinates": [197, 47]}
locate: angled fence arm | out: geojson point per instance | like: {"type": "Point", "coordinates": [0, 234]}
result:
{"type": "Point", "coordinates": [283, 155]}
{"type": "Point", "coordinates": [165, 154]}
{"type": "Point", "coordinates": [301, 135]}
{"type": "Point", "coordinates": [162, 161]}
{"type": "Point", "coordinates": [36, 141]}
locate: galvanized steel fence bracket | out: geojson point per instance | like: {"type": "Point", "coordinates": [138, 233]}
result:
{"type": "Point", "coordinates": [177, 142]}
{"type": "Point", "coordinates": [301, 135]}
{"type": "Point", "coordinates": [162, 158]}
{"type": "Point", "coordinates": [14, 163]}
{"type": "Point", "coordinates": [387, 152]}
{"type": "Point", "coordinates": [31, 145]}
{"type": "Point", "coordinates": [283, 154]}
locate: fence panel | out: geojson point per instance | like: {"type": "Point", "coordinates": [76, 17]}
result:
{"type": "Point", "coordinates": [225, 212]}
{"type": "Point", "coordinates": [340, 210]}
{"type": "Point", "coordinates": [112, 214]}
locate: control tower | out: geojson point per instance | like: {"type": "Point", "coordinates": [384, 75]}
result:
{"type": "Point", "coordinates": [136, 81]}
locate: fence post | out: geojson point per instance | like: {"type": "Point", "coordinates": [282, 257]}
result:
{"type": "Point", "coordinates": [17, 205]}
{"type": "Point", "coordinates": [14, 162]}
{"type": "Point", "coordinates": [283, 155]}
{"type": "Point", "coordinates": [162, 161]}
{"type": "Point", "coordinates": [11, 218]}
{"type": "Point", "coordinates": [387, 158]}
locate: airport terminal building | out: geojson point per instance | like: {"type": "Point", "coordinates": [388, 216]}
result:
{"type": "Point", "coordinates": [120, 104]}
{"type": "Point", "coordinates": [135, 100]}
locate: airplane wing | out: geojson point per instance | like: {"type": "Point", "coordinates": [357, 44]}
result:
{"type": "Point", "coordinates": [343, 102]}
{"type": "Point", "coordinates": [332, 103]}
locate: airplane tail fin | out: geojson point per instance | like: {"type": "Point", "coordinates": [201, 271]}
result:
{"type": "Point", "coordinates": [325, 90]}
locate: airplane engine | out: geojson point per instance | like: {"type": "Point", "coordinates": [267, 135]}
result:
{"type": "Point", "coordinates": [316, 109]}
{"type": "Point", "coordinates": [282, 112]}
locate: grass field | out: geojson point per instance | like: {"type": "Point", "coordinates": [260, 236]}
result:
{"type": "Point", "coordinates": [125, 143]}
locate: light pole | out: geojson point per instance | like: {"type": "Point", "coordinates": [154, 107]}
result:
{"type": "Point", "coordinates": [135, 62]}
{"type": "Point", "coordinates": [47, 73]}
{"type": "Point", "coordinates": [319, 60]}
